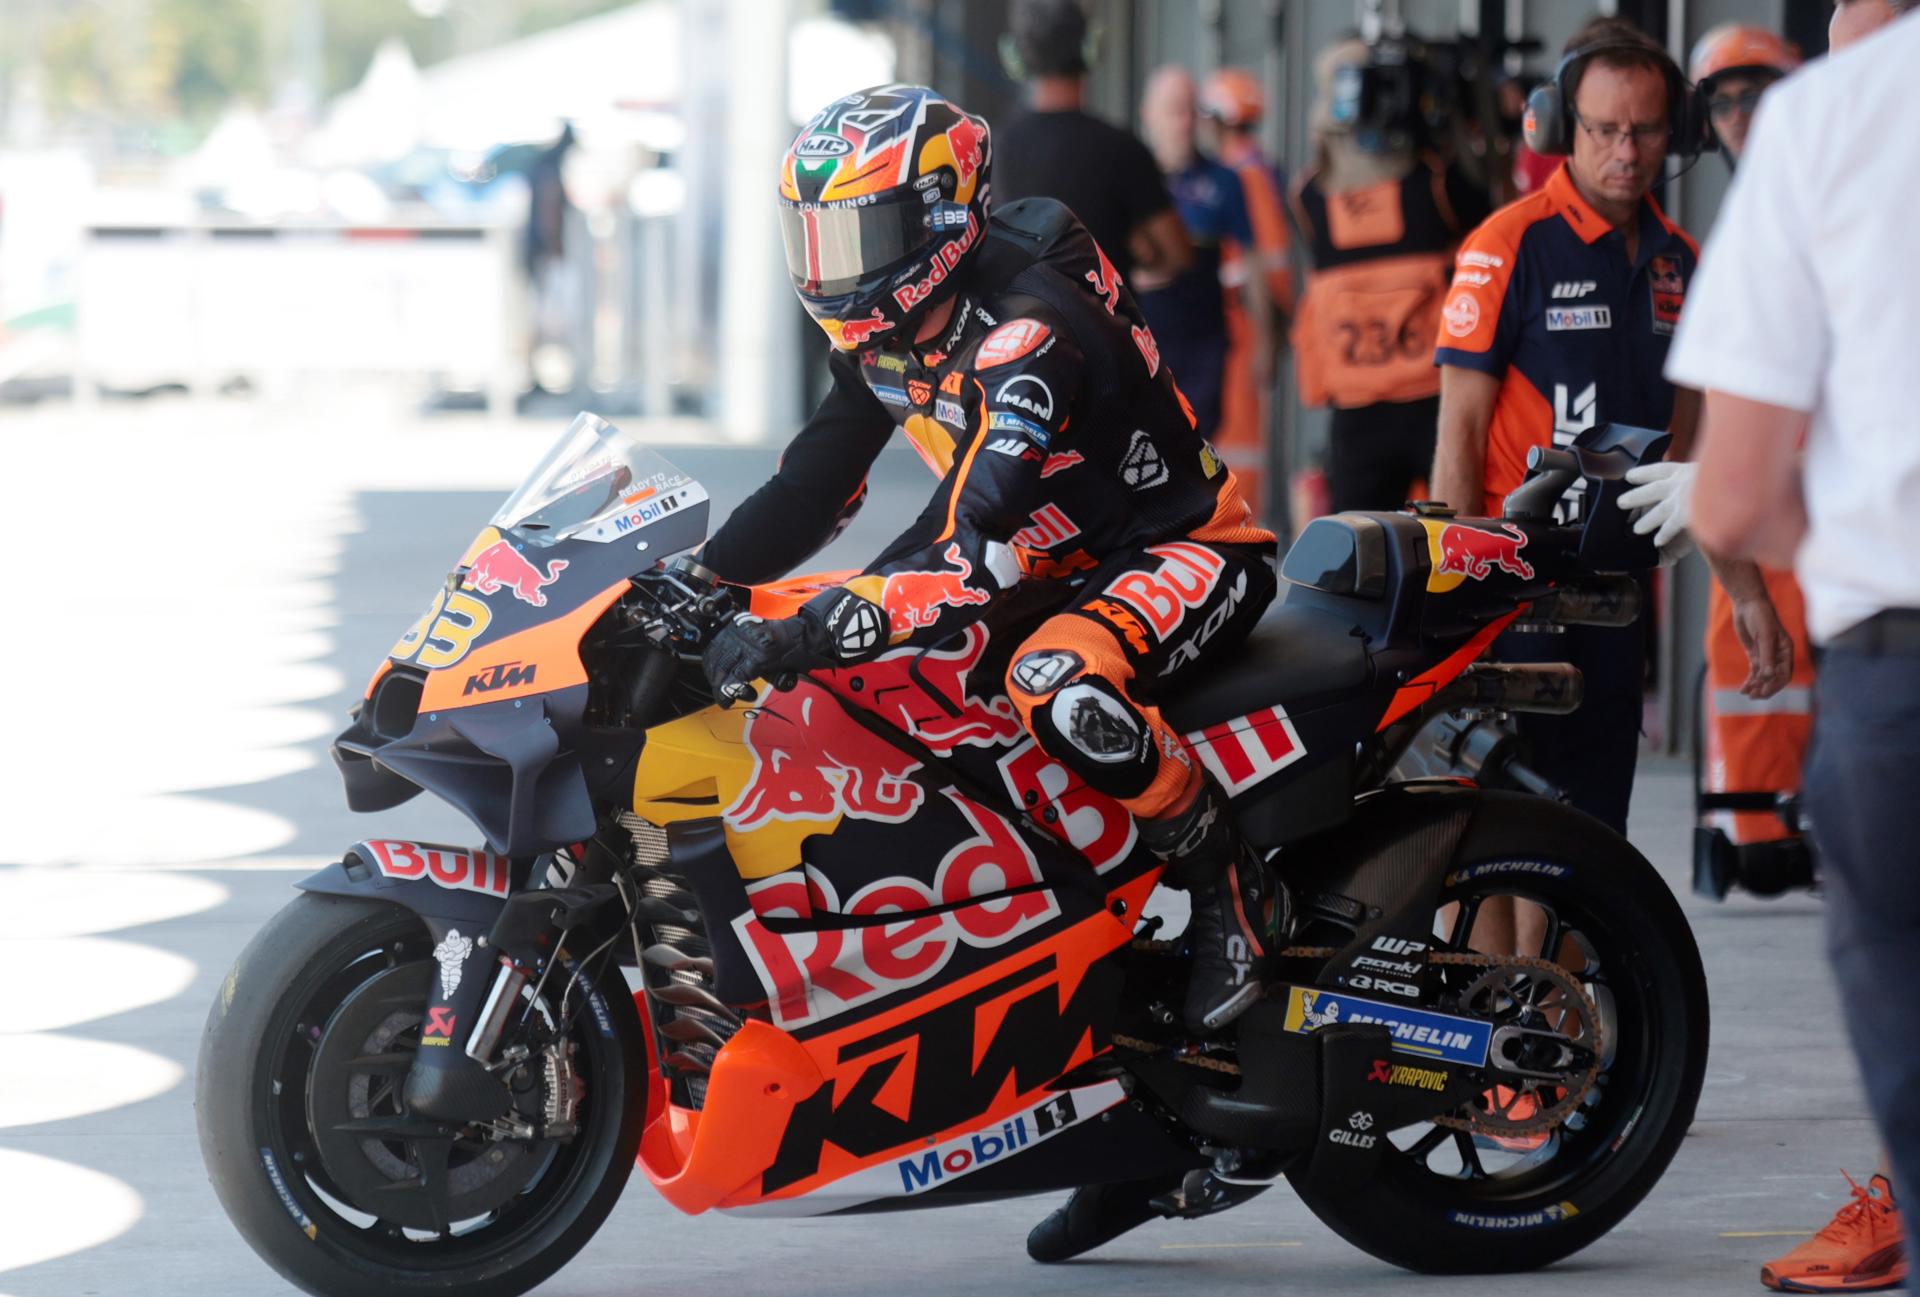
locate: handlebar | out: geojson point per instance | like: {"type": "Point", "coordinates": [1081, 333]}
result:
{"type": "Point", "coordinates": [1549, 473]}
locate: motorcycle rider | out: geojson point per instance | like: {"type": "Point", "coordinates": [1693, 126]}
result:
{"type": "Point", "coordinates": [1017, 364]}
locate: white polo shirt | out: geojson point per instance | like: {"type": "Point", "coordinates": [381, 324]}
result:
{"type": "Point", "coordinates": [1808, 297]}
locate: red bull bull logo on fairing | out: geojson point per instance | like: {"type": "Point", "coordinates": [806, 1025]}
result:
{"type": "Point", "coordinates": [1474, 553]}
{"type": "Point", "coordinates": [500, 564]}
{"type": "Point", "coordinates": [812, 761]}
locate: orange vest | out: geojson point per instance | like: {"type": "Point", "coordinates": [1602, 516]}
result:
{"type": "Point", "coordinates": [1382, 259]}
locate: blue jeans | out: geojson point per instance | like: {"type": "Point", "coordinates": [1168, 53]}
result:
{"type": "Point", "coordinates": [1863, 780]}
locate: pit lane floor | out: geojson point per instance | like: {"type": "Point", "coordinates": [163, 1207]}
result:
{"type": "Point", "coordinates": [207, 635]}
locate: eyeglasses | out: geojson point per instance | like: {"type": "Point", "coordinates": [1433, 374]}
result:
{"type": "Point", "coordinates": [1608, 136]}
{"type": "Point", "coordinates": [1726, 106]}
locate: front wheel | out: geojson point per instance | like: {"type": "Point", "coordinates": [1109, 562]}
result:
{"type": "Point", "coordinates": [308, 1144]}
{"type": "Point", "coordinates": [1501, 1196]}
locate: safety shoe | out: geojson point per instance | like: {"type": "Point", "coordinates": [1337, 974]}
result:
{"type": "Point", "coordinates": [1861, 1249]}
{"type": "Point", "coordinates": [1097, 1214]}
{"type": "Point", "coordinates": [1094, 1215]}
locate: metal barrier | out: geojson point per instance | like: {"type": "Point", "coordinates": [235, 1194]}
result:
{"type": "Point", "coordinates": [203, 304]}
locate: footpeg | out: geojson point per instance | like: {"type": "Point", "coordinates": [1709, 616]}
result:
{"type": "Point", "coordinates": [1201, 1193]}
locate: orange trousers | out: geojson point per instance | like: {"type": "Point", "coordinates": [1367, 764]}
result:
{"type": "Point", "coordinates": [1756, 745]}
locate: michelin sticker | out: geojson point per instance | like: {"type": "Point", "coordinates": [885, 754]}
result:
{"type": "Point", "coordinates": [1414, 1031]}
{"type": "Point", "coordinates": [1553, 1215]}
{"type": "Point", "coordinates": [1537, 868]}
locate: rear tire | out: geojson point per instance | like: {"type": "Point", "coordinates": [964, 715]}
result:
{"type": "Point", "coordinates": [1637, 1114]}
{"type": "Point", "coordinates": [258, 1046]}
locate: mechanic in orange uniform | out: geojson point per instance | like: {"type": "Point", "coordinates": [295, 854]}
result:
{"type": "Point", "coordinates": [1380, 220]}
{"type": "Point", "coordinates": [1234, 102]}
{"type": "Point", "coordinates": [1753, 744]}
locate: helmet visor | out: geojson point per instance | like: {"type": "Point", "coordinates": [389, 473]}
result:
{"type": "Point", "coordinates": [832, 249]}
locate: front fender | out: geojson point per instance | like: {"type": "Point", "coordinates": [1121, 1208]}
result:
{"type": "Point", "coordinates": [453, 884]}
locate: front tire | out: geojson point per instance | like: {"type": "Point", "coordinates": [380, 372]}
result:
{"type": "Point", "coordinates": [1429, 1215]}
{"type": "Point", "coordinates": [263, 1065]}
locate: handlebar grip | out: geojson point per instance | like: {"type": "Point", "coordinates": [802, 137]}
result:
{"type": "Point", "coordinates": [1552, 459]}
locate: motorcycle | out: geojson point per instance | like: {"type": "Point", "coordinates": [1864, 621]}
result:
{"type": "Point", "coordinates": [861, 945]}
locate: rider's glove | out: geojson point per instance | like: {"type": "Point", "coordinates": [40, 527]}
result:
{"type": "Point", "coordinates": [749, 649]}
{"type": "Point", "coordinates": [1663, 499]}
{"type": "Point", "coordinates": [835, 628]}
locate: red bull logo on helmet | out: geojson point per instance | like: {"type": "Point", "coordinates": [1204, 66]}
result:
{"type": "Point", "coordinates": [500, 564]}
{"type": "Point", "coordinates": [1468, 553]}
{"type": "Point", "coordinates": [812, 761]}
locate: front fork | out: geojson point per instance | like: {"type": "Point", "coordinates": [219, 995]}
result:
{"type": "Point", "coordinates": [479, 983]}
{"type": "Point", "coordinates": [474, 989]}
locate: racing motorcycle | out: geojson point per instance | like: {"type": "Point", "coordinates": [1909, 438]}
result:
{"type": "Point", "coordinates": [861, 945]}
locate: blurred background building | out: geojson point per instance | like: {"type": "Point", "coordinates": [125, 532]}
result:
{"type": "Point", "coordinates": [544, 205]}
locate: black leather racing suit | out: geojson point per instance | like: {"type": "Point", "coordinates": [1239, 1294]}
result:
{"type": "Point", "coordinates": [1065, 453]}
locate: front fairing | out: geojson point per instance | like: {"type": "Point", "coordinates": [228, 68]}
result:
{"type": "Point", "coordinates": [483, 700]}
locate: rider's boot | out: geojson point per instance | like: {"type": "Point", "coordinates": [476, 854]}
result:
{"type": "Point", "coordinates": [1240, 910]}
{"type": "Point", "coordinates": [1097, 1214]}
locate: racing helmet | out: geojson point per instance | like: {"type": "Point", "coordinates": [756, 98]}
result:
{"type": "Point", "coordinates": [1232, 97]}
{"type": "Point", "coordinates": [1738, 47]}
{"type": "Point", "coordinates": [883, 199]}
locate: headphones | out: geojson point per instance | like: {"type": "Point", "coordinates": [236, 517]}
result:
{"type": "Point", "coordinates": [1015, 66]}
{"type": "Point", "coordinates": [1548, 124]}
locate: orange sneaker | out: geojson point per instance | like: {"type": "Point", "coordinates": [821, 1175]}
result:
{"type": "Point", "coordinates": [1514, 1106]}
{"type": "Point", "coordinates": [1860, 1250]}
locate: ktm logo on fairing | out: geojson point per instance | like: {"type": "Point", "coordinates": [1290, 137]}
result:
{"type": "Point", "coordinates": [955, 1076]}
{"type": "Point", "coordinates": [502, 675]}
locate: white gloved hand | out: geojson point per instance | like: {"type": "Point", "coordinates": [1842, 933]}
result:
{"type": "Point", "coordinates": [1662, 502]}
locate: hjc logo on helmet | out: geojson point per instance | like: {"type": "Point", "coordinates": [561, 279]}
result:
{"type": "Point", "coordinates": [822, 146]}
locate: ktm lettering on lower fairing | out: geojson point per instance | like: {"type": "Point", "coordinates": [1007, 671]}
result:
{"type": "Point", "coordinates": [1036, 1039]}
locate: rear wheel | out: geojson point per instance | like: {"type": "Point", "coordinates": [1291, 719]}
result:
{"type": "Point", "coordinates": [315, 1159]}
{"type": "Point", "coordinates": [1504, 1196]}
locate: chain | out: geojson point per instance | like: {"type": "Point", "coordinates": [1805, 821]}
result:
{"type": "Point", "coordinates": [1547, 1117]}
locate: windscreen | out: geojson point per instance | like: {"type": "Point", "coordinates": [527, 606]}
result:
{"type": "Point", "coordinates": [597, 483]}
